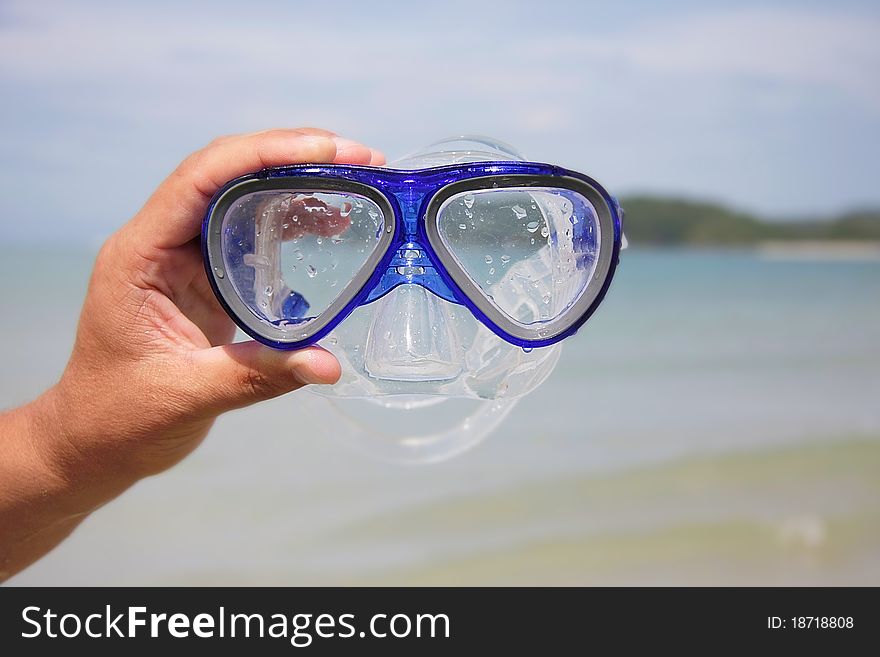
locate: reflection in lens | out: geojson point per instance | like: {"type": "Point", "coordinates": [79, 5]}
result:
{"type": "Point", "coordinates": [531, 251]}
{"type": "Point", "coordinates": [290, 254]}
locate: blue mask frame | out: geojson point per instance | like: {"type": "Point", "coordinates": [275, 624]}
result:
{"type": "Point", "coordinates": [413, 197]}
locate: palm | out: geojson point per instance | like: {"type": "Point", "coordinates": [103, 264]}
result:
{"type": "Point", "coordinates": [197, 317]}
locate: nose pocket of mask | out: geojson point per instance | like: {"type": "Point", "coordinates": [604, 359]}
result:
{"type": "Point", "coordinates": [413, 337]}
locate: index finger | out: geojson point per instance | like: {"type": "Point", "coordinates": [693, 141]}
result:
{"type": "Point", "coordinates": [174, 213]}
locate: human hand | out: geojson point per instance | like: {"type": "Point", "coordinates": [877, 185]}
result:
{"type": "Point", "coordinates": [300, 215]}
{"type": "Point", "coordinates": [152, 365]}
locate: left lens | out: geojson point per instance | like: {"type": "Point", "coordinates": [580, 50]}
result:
{"type": "Point", "coordinates": [293, 255]}
{"type": "Point", "coordinates": [531, 251]}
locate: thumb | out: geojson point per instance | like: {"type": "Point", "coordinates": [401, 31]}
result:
{"type": "Point", "coordinates": [242, 373]}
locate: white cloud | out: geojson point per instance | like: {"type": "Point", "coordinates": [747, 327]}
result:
{"type": "Point", "coordinates": [794, 46]}
{"type": "Point", "coordinates": [192, 52]}
{"type": "Point", "coordinates": [692, 100]}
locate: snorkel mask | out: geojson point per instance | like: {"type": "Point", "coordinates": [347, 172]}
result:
{"type": "Point", "coordinates": [454, 273]}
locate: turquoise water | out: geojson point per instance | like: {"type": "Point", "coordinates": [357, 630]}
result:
{"type": "Point", "coordinates": [717, 421]}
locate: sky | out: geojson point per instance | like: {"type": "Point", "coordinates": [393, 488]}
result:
{"type": "Point", "coordinates": [770, 107]}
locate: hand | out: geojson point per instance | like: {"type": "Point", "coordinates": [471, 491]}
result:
{"type": "Point", "coordinates": [152, 365]}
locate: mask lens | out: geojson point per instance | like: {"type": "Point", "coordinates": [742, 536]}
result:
{"type": "Point", "coordinates": [291, 255]}
{"type": "Point", "coordinates": [531, 251]}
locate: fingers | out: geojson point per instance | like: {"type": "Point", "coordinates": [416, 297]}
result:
{"type": "Point", "coordinates": [298, 216]}
{"type": "Point", "coordinates": [174, 213]}
{"type": "Point", "coordinates": [349, 151]}
{"type": "Point", "coordinates": [240, 374]}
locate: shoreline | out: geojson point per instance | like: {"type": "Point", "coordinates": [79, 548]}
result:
{"type": "Point", "coordinates": [819, 250]}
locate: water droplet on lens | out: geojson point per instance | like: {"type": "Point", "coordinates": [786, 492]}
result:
{"type": "Point", "coordinates": [532, 226]}
{"type": "Point", "coordinates": [219, 272]}
{"type": "Point", "coordinates": [491, 271]}
{"type": "Point", "coordinates": [505, 259]}
{"type": "Point", "coordinates": [332, 340]}
{"type": "Point", "coordinates": [527, 350]}
{"type": "Point", "coordinates": [298, 254]}
{"type": "Point", "coordinates": [469, 200]}
{"type": "Point", "coordinates": [311, 271]}
{"type": "Point", "coordinates": [488, 260]}
{"type": "Point", "coordinates": [292, 267]}
{"type": "Point", "coordinates": [519, 212]}
{"type": "Point", "coordinates": [462, 226]}
{"type": "Point", "coordinates": [546, 298]}
{"type": "Point", "coordinates": [319, 240]}
{"type": "Point", "coordinates": [337, 240]}
{"type": "Point", "coordinates": [268, 290]}
{"type": "Point", "coordinates": [545, 231]}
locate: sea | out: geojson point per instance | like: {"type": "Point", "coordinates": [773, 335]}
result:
{"type": "Point", "coordinates": [716, 422]}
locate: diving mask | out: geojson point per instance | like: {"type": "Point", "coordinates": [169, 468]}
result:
{"type": "Point", "coordinates": [456, 273]}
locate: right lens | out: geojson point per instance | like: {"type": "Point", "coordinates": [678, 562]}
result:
{"type": "Point", "coordinates": [532, 251]}
{"type": "Point", "coordinates": [291, 254]}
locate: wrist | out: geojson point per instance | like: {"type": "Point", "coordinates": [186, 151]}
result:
{"type": "Point", "coordinates": [40, 503]}
{"type": "Point", "coordinates": [64, 458]}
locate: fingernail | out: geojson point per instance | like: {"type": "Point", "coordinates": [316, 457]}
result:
{"type": "Point", "coordinates": [303, 365]}
{"type": "Point", "coordinates": [305, 374]}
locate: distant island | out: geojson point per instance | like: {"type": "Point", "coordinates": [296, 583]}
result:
{"type": "Point", "coordinates": [676, 222]}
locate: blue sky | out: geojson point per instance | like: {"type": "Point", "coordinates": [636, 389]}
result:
{"type": "Point", "coordinates": [772, 107]}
